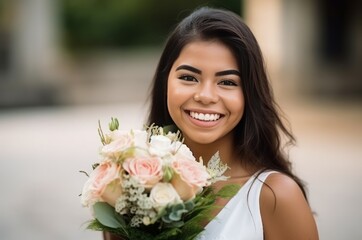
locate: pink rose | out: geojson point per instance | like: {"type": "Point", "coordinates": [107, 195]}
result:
{"type": "Point", "coordinates": [105, 176]}
{"type": "Point", "coordinates": [148, 170]}
{"type": "Point", "coordinates": [189, 178]}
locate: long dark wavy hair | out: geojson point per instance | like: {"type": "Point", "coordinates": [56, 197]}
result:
{"type": "Point", "coordinates": [258, 135]}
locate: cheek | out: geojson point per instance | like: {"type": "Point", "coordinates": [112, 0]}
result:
{"type": "Point", "coordinates": [175, 97]}
{"type": "Point", "coordinates": [171, 98]}
{"type": "Point", "coordinates": [236, 105]}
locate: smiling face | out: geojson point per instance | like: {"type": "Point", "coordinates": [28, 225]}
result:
{"type": "Point", "coordinates": [204, 94]}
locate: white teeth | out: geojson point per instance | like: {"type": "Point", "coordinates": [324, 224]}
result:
{"type": "Point", "coordinates": [205, 117]}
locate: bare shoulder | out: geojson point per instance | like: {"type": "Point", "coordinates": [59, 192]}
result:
{"type": "Point", "coordinates": [285, 212]}
{"type": "Point", "coordinates": [279, 189]}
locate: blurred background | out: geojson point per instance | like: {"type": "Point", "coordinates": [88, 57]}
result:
{"type": "Point", "coordinates": [65, 64]}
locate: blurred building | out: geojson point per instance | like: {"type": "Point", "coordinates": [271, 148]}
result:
{"type": "Point", "coordinates": [29, 52]}
{"type": "Point", "coordinates": [311, 47]}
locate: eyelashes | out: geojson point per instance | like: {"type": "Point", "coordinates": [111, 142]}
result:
{"type": "Point", "coordinates": [223, 82]}
{"type": "Point", "coordinates": [230, 83]}
{"type": "Point", "coordinates": [187, 78]}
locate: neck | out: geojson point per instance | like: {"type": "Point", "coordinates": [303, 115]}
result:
{"type": "Point", "coordinates": [227, 154]}
{"type": "Point", "coordinates": [206, 151]}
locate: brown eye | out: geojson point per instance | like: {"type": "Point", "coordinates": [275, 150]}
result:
{"type": "Point", "coordinates": [228, 83]}
{"type": "Point", "coordinates": [188, 78]}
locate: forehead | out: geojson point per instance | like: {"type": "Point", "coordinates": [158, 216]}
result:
{"type": "Point", "coordinates": [210, 54]}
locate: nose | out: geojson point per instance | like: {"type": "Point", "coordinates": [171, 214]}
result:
{"type": "Point", "coordinates": [206, 94]}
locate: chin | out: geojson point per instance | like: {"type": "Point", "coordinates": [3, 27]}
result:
{"type": "Point", "coordinates": [202, 140]}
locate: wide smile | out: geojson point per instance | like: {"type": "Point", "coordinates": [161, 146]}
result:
{"type": "Point", "coordinates": [204, 116]}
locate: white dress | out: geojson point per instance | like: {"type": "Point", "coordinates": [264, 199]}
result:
{"type": "Point", "coordinates": [240, 218]}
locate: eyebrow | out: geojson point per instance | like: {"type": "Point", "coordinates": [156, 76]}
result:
{"type": "Point", "coordinates": [198, 71]}
{"type": "Point", "coordinates": [228, 72]}
{"type": "Point", "coordinates": [189, 68]}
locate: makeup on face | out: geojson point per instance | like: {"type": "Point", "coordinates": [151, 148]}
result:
{"type": "Point", "coordinates": [205, 99]}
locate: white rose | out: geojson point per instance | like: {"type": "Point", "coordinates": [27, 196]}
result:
{"type": "Point", "coordinates": [183, 151]}
{"type": "Point", "coordinates": [160, 145]}
{"type": "Point", "coordinates": [140, 138]}
{"type": "Point", "coordinates": [163, 194]}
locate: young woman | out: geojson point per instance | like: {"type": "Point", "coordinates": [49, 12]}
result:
{"type": "Point", "coordinates": [211, 83]}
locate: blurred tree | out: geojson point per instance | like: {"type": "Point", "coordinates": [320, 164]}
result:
{"type": "Point", "coordinates": [90, 24]}
{"type": "Point", "coordinates": [4, 38]}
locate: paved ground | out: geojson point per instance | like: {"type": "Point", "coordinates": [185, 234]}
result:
{"type": "Point", "coordinates": [42, 151]}
{"type": "Point", "coordinates": [328, 157]}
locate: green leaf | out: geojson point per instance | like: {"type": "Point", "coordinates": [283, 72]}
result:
{"type": "Point", "coordinates": [95, 225]}
{"type": "Point", "coordinates": [168, 234]}
{"type": "Point", "coordinates": [177, 224]}
{"type": "Point", "coordinates": [139, 234]}
{"type": "Point", "coordinates": [228, 191]}
{"type": "Point", "coordinates": [106, 215]}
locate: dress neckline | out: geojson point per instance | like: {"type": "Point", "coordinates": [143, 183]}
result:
{"type": "Point", "coordinates": [247, 182]}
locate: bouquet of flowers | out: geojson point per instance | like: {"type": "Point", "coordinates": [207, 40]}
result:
{"type": "Point", "coordinates": [148, 185]}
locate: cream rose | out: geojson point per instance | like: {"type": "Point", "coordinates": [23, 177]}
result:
{"type": "Point", "coordinates": [99, 179]}
{"type": "Point", "coordinates": [116, 134]}
{"type": "Point", "coordinates": [120, 142]}
{"type": "Point", "coordinates": [147, 170]}
{"type": "Point", "coordinates": [112, 192]}
{"type": "Point", "coordinates": [189, 178]}
{"type": "Point", "coordinates": [163, 194]}
{"type": "Point", "coordinates": [137, 137]}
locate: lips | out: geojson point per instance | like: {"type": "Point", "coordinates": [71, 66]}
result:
{"type": "Point", "coordinates": [207, 117]}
